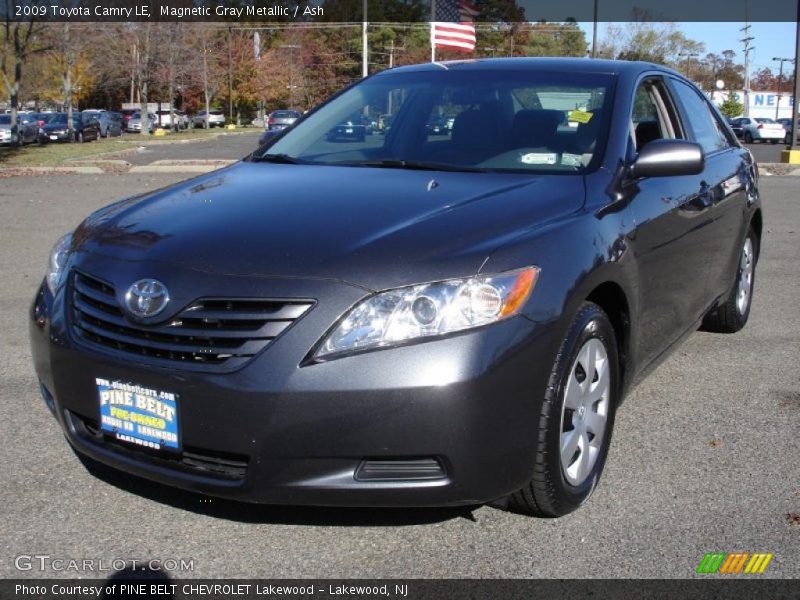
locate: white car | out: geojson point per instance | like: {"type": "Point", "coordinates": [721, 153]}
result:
{"type": "Point", "coordinates": [179, 119]}
{"type": "Point", "coordinates": [757, 129]}
{"type": "Point", "coordinates": [216, 118]}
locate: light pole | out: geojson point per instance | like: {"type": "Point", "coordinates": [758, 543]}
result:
{"type": "Point", "coordinates": [689, 56]}
{"type": "Point", "coordinates": [780, 81]}
{"type": "Point", "coordinates": [291, 47]}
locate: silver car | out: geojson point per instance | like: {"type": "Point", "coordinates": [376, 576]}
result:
{"type": "Point", "coordinates": [215, 118]}
{"type": "Point", "coordinates": [27, 127]}
{"type": "Point", "coordinates": [135, 123]}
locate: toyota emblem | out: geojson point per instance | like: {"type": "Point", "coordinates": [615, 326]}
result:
{"type": "Point", "coordinates": [146, 298]}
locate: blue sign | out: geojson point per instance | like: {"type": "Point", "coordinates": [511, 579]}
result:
{"type": "Point", "coordinates": [139, 415]}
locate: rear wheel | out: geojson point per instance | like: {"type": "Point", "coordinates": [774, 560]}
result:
{"type": "Point", "coordinates": [731, 316]}
{"type": "Point", "coordinates": [774, 141]}
{"type": "Point", "coordinates": [748, 137]}
{"type": "Point", "coordinates": [577, 415]}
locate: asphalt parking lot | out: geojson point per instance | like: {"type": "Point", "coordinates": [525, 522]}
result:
{"type": "Point", "coordinates": [705, 456]}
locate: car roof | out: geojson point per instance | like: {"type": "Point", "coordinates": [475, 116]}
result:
{"type": "Point", "coordinates": [575, 65]}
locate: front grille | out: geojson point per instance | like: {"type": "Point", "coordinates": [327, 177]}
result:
{"type": "Point", "coordinates": [193, 460]}
{"type": "Point", "coordinates": [218, 334]}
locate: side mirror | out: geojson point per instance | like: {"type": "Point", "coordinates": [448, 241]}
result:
{"type": "Point", "coordinates": [664, 158]}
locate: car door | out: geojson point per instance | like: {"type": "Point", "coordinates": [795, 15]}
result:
{"type": "Point", "coordinates": [673, 217]}
{"type": "Point", "coordinates": [736, 126]}
{"type": "Point", "coordinates": [28, 129]}
{"type": "Point", "coordinates": [730, 181]}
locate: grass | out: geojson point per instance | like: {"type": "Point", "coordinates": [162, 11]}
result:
{"type": "Point", "coordinates": [57, 154]}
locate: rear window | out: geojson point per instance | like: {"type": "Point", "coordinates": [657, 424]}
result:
{"type": "Point", "coordinates": [5, 120]}
{"type": "Point", "coordinates": [285, 114]}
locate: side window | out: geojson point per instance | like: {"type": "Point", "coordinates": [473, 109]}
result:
{"type": "Point", "coordinates": [650, 119]}
{"type": "Point", "coordinates": [707, 132]}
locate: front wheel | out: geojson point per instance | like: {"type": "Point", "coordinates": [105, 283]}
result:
{"type": "Point", "coordinates": [573, 431]}
{"type": "Point", "coordinates": [732, 316]}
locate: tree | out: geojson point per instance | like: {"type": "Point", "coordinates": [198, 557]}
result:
{"type": "Point", "coordinates": [20, 41]}
{"type": "Point", "coordinates": [731, 107]}
{"type": "Point", "coordinates": [661, 43]}
{"type": "Point", "coordinates": [720, 66]}
{"type": "Point", "coordinates": [556, 39]}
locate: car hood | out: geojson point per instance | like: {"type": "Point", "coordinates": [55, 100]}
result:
{"type": "Point", "coordinates": [373, 227]}
{"type": "Point", "coordinates": [57, 127]}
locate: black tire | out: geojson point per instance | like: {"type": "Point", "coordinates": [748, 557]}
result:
{"type": "Point", "coordinates": [549, 493]}
{"type": "Point", "coordinates": [728, 316]}
{"type": "Point", "coordinates": [774, 141]}
{"type": "Point", "coordinates": [748, 137]}
{"type": "Point", "coordinates": [80, 137]}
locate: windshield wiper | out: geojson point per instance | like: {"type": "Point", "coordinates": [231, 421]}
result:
{"type": "Point", "coordinates": [412, 165]}
{"type": "Point", "coordinates": [283, 159]}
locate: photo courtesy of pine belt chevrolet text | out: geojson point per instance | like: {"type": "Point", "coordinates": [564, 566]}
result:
{"type": "Point", "coordinates": [434, 289]}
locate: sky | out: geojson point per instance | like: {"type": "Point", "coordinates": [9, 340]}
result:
{"type": "Point", "coordinates": [771, 39]}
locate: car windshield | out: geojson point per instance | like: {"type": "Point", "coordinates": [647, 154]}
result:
{"type": "Point", "coordinates": [765, 120]}
{"type": "Point", "coordinates": [493, 120]}
{"type": "Point", "coordinates": [55, 118]}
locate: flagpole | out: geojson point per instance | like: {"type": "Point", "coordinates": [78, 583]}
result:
{"type": "Point", "coordinates": [433, 18]}
{"type": "Point", "coordinates": [364, 44]}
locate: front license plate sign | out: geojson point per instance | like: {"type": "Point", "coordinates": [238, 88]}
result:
{"type": "Point", "coordinates": [139, 415]}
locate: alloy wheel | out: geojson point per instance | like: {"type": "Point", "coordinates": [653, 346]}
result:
{"type": "Point", "coordinates": [745, 277]}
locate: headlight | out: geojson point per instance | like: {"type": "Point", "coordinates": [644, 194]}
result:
{"type": "Point", "coordinates": [430, 309]}
{"type": "Point", "coordinates": [58, 260]}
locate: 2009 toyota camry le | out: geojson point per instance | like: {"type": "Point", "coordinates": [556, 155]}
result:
{"type": "Point", "coordinates": [409, 317]}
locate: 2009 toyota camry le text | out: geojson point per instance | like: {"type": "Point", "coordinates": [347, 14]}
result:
{"type": "Point", "coordinates": [434, 289]}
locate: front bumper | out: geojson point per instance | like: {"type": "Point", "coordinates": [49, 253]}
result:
{"type": "Point", "coordinates": [297, 432]}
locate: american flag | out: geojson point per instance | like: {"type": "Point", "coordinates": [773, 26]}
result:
{"type": "Point", "coordinates": [455, 27]}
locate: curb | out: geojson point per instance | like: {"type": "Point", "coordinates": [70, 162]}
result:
{"type": "Point", "coordinates": [175, 168]}
{"type": "Point", "coordinates": [81, 170]}
{"type": "Point", "coordinates": [770, 168]}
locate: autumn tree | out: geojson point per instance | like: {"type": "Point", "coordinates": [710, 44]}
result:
{"type": "Point", "coordinates": [20, 41]}
{"type": "Point", "coordinates": [643, 40]}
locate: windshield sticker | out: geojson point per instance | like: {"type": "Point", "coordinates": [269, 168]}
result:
{"type": "Point", "coordinates": [535, 158]}
{"type": "Point", "coordinates": [579, 116]}
{"type": "Point", "coordinates": [572, 160]}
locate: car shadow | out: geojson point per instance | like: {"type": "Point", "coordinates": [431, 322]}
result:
{"type": "Point", "coordinates": [243, 512]}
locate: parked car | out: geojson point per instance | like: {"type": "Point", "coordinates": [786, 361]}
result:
{"type": "Point", "coordinates": [177, 121]}
{"type": "Point", "coordinates": [103, 118]}
{"type": "Point", "coordinates": [423, 322]}
{"type": "Point", "coordinates": [787, 127]}
{"type": "Point", "coordinates": [437, 126]}
{"type": "Point", "coordinates": [135, 123]}
{"type": "Point", "coordinates": [127, 113]}
{"type": "Point", "coordinates": [280, 119]}
{"type": "Point", "coordinates": [352, 129]}
{"type": "Point", "coordinates": [116, 124]}
{"type": "Point", "coordinates": [27, 128]}
{"type": "Point", "coordinates": [268, 135]}
{"type": "Point", "coordinates": [757, 129]}
{"type": "Point", "coordinates": [85, 127]}
{"type": "Point", "coordinates": [215, 118]}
